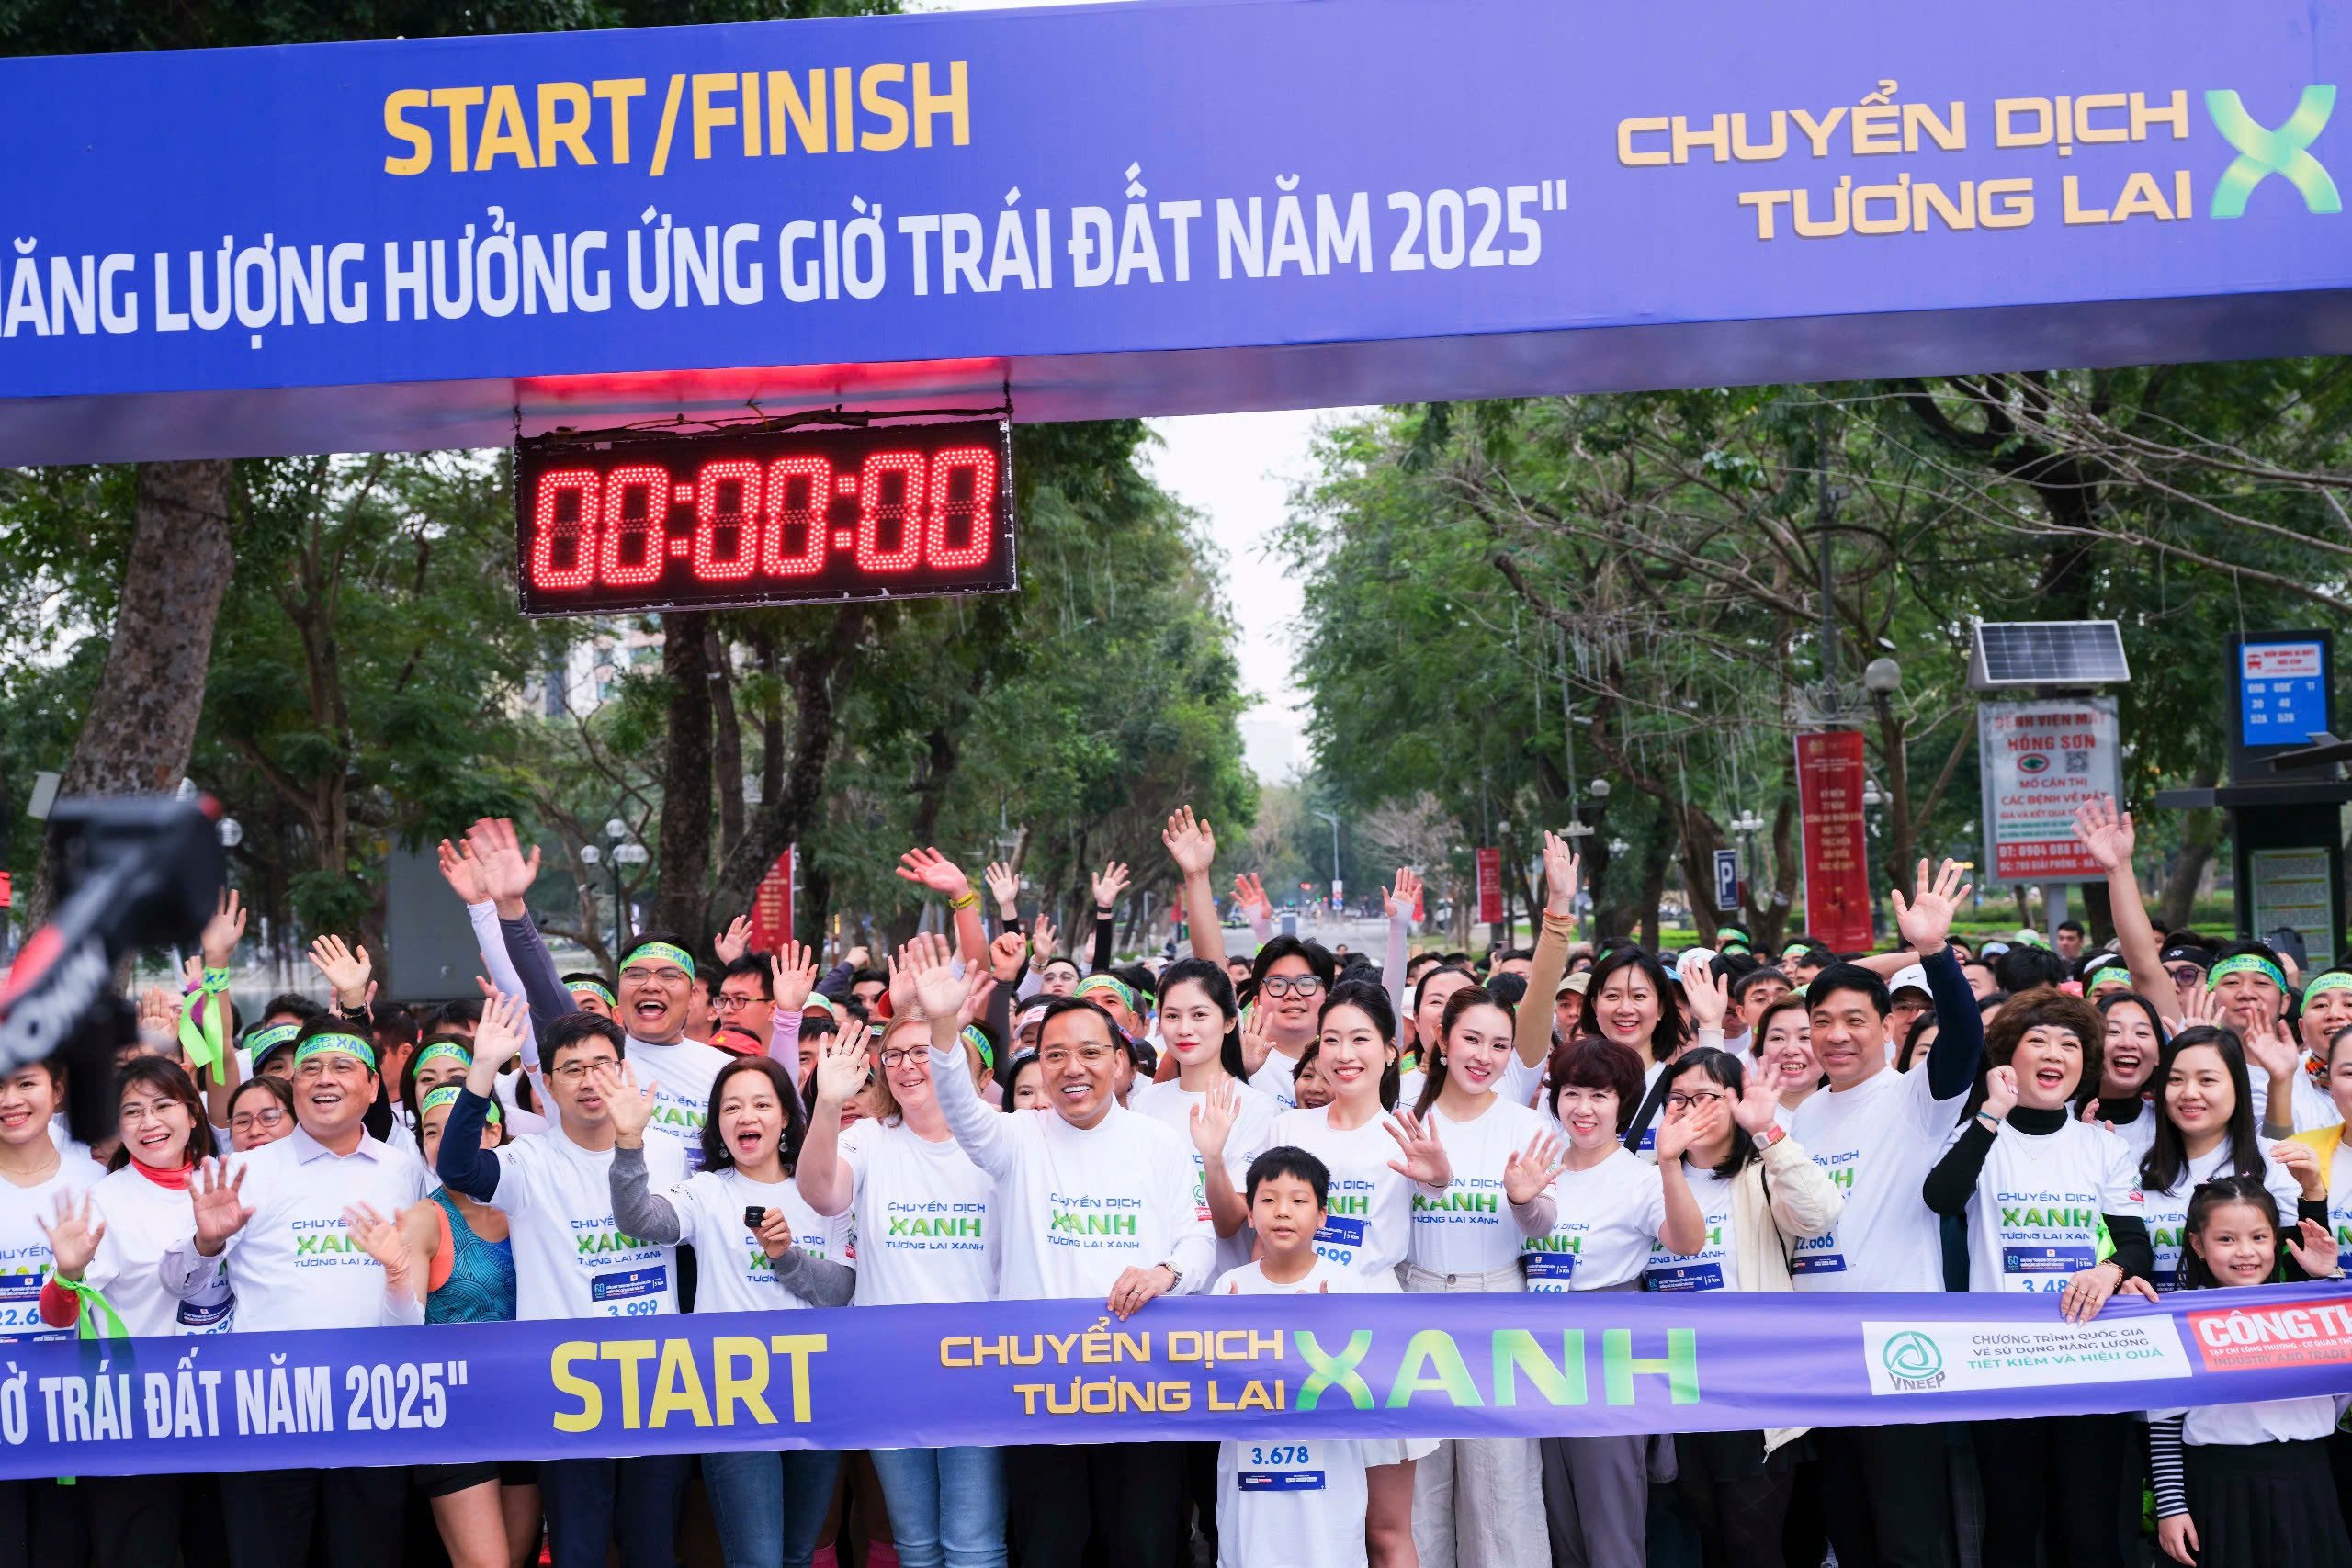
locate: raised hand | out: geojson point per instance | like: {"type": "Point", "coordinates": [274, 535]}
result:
{"type": "Point", "coordinates": [2000, 1092]}
{"type": "Point", "coordinates": [1004, 887]}
{"type": "Point", "coordinates": [2315, 1250]}
{"type": "Point", "coordinates": [379, 1237]}
{"type": "Point", "coordinates": [159, 1013]}
{"type": "Point", "coordinates": [928, 868]}
{"type": "Point", "coordinates": [2303, 1161]}
{"type": "Point", "coordinates": [1008, 955]}
{"type": "Point", "coordinates": [842, 1068]}
{"type": "Point", "coordinates": [937, 986]}
{"type": "Point", "coordinates": [1708, 993]}
{"type": "Point", "coordinates": [1425, 1162]}
{"type": "Point", "coordinates": [1529, 1171]}
{"type": "Point", "coordinates": [734, 941]}
{"type": "Point", "coordinates": [1563, 870]}
{"type": "Point", "coordinates": [224, 931]}
{"type": "Point", "coordinates": [792, 976]}
{"type": "Point", "coordinates": [922, 950]}
{"type": "Point", "coordinates": [1213, 1120]}
{"type": "Point", "coordinates": [1256, 1044]}
{"type": "Point", "coordinates": [1758, 1106]}
{"type": "Point", "coordinates": [2104, 832]}
{"type": "Point", "coordinates": [859, 957]}
{"type": "Point", "coordinates": [2203, 1007]}
{"type": "Point", "coordinates": [505, 869]}
{"type": "Point", "coordinates": [631, 1107]}
{"type": "Point", "coordinates": [217, 1196]}
{"type": "Point", "coordinates": [1190, 844]}
{"type": "Point", "coordinates": [498, 1038]}
{"type": "Point", "coordinates": [2271, 1047]}
{"type": "Point", "coordinates": [459, 870]}
{"type": "Point", "coordinates": [346, 969]}
{"type": "Point", "coordinates": [1109, 885]}
{"type": "Point", "coordinates": [1675, 1130]}
{"type": "Point", "coordinates": [73, 1239]}
{"type": "Point", "coordinates": [1043, 938]}
{"type": "Point", "coordinates": [1403, 896]}
{"type": "Point", "coordinates": [1926, 920]}
{"type": "Point", "coordinates": [1250, 892]}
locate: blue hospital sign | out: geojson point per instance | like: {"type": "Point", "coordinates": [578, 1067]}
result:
{"type": "Point", "coordinates": [2282, 692]}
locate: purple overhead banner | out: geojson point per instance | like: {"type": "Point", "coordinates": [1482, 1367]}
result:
{"type": "Point", "coordinates": [1152, 207]}
{"type": "Point", "coordinates": [1182, 1370]}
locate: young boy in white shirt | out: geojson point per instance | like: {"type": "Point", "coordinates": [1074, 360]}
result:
{"type": "Point", "coordinates": [1289, 1504]}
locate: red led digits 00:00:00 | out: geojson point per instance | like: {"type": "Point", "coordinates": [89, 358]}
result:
{"type": "Point", "coordinates": [711, 521]}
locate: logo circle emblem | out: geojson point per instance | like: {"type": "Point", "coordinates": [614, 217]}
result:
{"type": "Point", "coordinates": [2033, 763]}
{"type": "Point", "coordinates": [1912, 1356]}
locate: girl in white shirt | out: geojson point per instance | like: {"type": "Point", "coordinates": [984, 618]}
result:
{"type": "Point", "coordinates": [1368, 1228]}
{"type": "Point", "coordinates": [2203, 1124]}
{"type": "Point", "coordinates": [926, 1221]}
{"type": "Point", "coordinates": [39, 1180]}
{"type": "Point", "coordinates": [1611, 1208]}
{"type": "Point", "coordinates": [789, 1258]}
{"type": "Point", "coordinates": [1478, 1502]}
{"type": "Point", "coordinates": [1209, 1101]}
{"type": "Point", "coordinates": [115, 1245]}
{"type": "Point", "coordinates": [2248, 1486]}
{"type": "Point", "coordinates": [1782, 1044]}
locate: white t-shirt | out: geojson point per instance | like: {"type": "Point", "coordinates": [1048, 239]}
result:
{"type": "Point", "coordinates": [732, 1271]}
{"type": "Point", "coordinates": [681, 1076]}
{"type": "Point", "coordinates": [1273, 1077]}
{"type": "Point", "coordinates": [295, 1264]}
{"type": "Point", "coordinates": [2314, 1108]}
{"type": "Point", "coordinates": [927, 1219]}
{"type": "Point", "coordinates": [1877, 1140]}
{"type": "Point", "coordinates": [1715, 1266]}
{"type": "Point", "coordinates": [2259, 1421]}
{"type": "Point", "coordinates": [1290, 1502]}
{"type": "Point", "coordinates": [2169, 1210]}
{"type": "Point", "coordinates": [1171, 1104]}
{"type": "Point", "coordinates": [570, 1258]}
{"type": "Point", "coordinates": [144, 1220]}
{"type": "Point", "coordinates": [1609, 1221]}
{"type": "Point", "coordinates": [2139, 1135]}
{"type": "Point", "coordinates": [1468, 1229]}
{"type": "Point", "coordinates": [2034, 1221]}
{"type": "Point", "coordinates": [25, 1259]}
{"type": "Point", "coordinates": [1368, 1225]}
{"type": "Point", "coordinates": [1081, 1205]}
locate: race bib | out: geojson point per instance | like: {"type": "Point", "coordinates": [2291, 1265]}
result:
{"type": "Point", "coordinates": [1817, 1263]}
{"type": "Point", "coordinates": [1340, 1231]}
{"type": "Point", "coordinates": [1554, 1268]}
{"type": "Point", "coordinates": [1687, 1277]}
{"type": "Point", "coordinates": [1278, 1467]}
{"type": "Point", "coordinates": [204, 1319]}
{"type": "Point", "coordinates": [21, 1287]}
{"type": "Point", "coordinates": [629, 1283]}
{"type": "Point", "coordinates": [2046, 1262]}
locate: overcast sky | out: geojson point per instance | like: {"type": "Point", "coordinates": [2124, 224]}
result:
{"type": "Point", "coordinates": [1236, 470]}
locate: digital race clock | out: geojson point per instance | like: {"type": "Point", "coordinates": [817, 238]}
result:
{"type": "Point", "coordinates": [624, 521]}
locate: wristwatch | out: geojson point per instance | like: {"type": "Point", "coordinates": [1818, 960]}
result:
{"type": "Point", "coordinates": [1175, 1275]}
{"type": "Point", "coordinates": [1769, 1135]}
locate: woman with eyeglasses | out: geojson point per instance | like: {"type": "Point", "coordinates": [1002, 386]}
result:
{"type": "Point", "coordinates": [1374, 1159]}
{"type": "Point", "coordinates": [926, 1219]}
{"type": "Point", "coordinates": [1757, 1194]}
{"type": "Point", "coordinates": [260, 1111]}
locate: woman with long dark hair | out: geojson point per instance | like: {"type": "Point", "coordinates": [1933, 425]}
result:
{"type": "Point", "coordinates": [1210, 1102]}
{"type": "Point", "coordinates": [2128, 1052]}
{"type": "Point", "coordinates": [2204, 1129]}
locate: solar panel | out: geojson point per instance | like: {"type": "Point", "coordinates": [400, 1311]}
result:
{"type": "Point", "coordinates": [2046, 653]}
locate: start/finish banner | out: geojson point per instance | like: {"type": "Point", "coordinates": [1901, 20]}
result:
{"type": "Point", "coordinates": [1189, 1369]}
{"type": "Point", "coordinates": [1140, 209]}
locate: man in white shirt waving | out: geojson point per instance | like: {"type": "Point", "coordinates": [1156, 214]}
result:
{"type": "Point", "coordinates": [1884, 1494]}
{"type": "Point", "coordinates": [1098, 1205]}
{"type": "Point", "coordinates": [572, 1258]}
{"type": "Point", "coordinates": [306, 1226]}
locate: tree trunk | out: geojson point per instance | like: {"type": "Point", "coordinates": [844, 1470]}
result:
{"type": "Point", "coordinates": [679, 897]}
{"type": "Point", "coordinates": [1655, 856]}
{"type": "Point", "coordinates": [727, 736]}
{"type": "Point", "coordinates": [141, 728]}
{"type": "Point", "coordinates": [2201, 836]}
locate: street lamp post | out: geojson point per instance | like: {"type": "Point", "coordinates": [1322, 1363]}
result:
{"type": "Point", "coordinates": [618, 851]}
{"type": "Point", "coordinates": [1335, 861]}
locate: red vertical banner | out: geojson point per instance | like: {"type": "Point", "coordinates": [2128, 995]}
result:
{"type": "Point", "coordinates": [772, 905]}
{"type": "Point", "coordinates": [1490, 887]}
{"type": "Point", "coordinates": [1837, 864]}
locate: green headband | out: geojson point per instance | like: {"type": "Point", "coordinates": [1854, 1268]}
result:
{"type": "Point", "coordinates": [2246, 964]}
{"type": "Point", "coordinates": [440, 1048]}
{"type": "Point", "coordinates": [2117, 975]}
{"type": "Point", "coordinates": [977, 1040]}
{"type": "Point", "coordinates": [448, 1095]}
{"type": "Point", "coordinates": [1111, 983]}
{"type": "Point", "coordinates": [1797, 950]}
{"type": "Point", "coordinates": [262, 1041]}
{"type": "Point", "coordinates": [596, 988]}
{"type": "Point", "coordinates": [2334, 981]}
{"type": "Point", "coordinates": [675, 954]}
{"type": "Point", "coordinates": [345, 1044]}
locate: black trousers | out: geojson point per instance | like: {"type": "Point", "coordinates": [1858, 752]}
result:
{"type": "Point", "coordinates": [43, 1522]}
{"type": "Point", "coordinates": [1129, 1495]}
{"type": "Point", "coordinates": [2054, 1480]}
{"type": "Point", "coordinates": [355, 1516]}
{"type": "Point", "coordinates": [1737, 1497]}
{"type": "Point", "coordinates": [1886, 1496]}
{"type": "Point", "coordinates": [139, 1520]}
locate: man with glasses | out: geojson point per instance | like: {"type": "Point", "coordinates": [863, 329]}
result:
{"type": "Point", "coordinates": [572, 1258]}
{"type": "Point", "coordinates": [746, 998]}
{"type": "Point", "coordinates": [1291, 978]}
{"type": "Point", "coordinates": [295, 1221]}
{"type": "Point", "coordinates": [1097, 1201]}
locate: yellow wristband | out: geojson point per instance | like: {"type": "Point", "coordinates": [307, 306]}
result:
{"type": "Point", "coordinates": [969, 900]}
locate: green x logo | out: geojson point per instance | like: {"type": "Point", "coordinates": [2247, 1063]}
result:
{"type": "Point", "coordinates": [2263, 152]}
